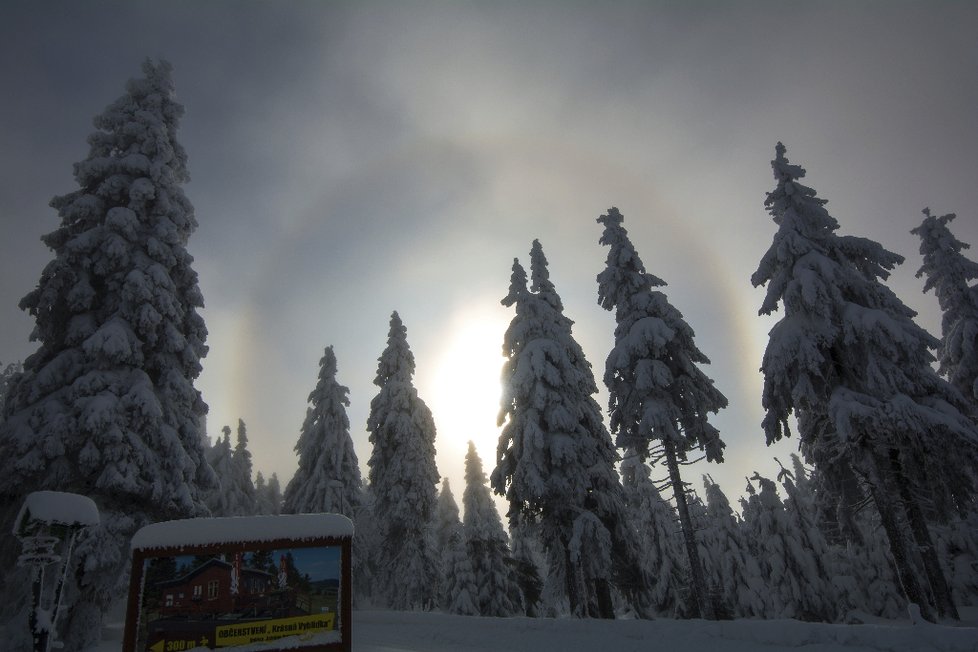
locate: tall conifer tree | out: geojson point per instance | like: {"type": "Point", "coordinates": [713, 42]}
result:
{"type": "Point", "coordinates": [658, 396]}
{"type": "Point", "coordinates": [107, 406]}
{"type": "Point", "coordinates": [328, 478]}
{"type": "Point", "coordinates": [606, 498]}
{"type": "Point", "coordinates": [849, 362]}
{"type": "Point", "coordinates": [797, 583]}
{"type": "Point", "coordinates": [487, 544]}
{"type": "Point", "coordinates": [403, 480]}
{"type": "Point", "coordinates": [459, 593]}
{"type": "Point", "coordinates": [657, 531]}
{"type": "Point", "coordinates": [728, 559]}
{"type": "Point", "coordinates": [268, 494]}
{"type": "Point", "coordinates": [219, 498]}
{"type": "Point", "coordinates": [555, 461]}
{"type": "Point", "coordinates": [242, 495]}
{"type": "Point", "coordinates": [949, 274]}
{"type": "Point", "coordinates": [448, 522]}
{"type": "Point", "coordinates": [450, 551]}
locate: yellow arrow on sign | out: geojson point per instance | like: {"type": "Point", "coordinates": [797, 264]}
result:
{"type": "Point", "coordinates": [158, 646]}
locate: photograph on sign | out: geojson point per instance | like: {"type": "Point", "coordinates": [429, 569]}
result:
{"type": "Point", "coordinates": [240, 599]}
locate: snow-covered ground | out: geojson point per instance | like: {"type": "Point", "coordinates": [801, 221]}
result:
{"type": "Point", "coordinates": [392, 631]}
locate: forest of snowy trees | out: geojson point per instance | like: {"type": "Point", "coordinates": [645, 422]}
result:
{"type": "Point", "coordinates": [878, 510]}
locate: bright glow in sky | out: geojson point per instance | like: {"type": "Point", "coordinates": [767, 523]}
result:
{"type": "Point", "coordinates": [350, 159]}
{"type": "Point", "coordinates": [463, 390]}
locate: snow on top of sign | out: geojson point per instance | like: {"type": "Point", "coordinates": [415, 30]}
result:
{"type": "Point", "coordinates": [241, 529]}
{"type": "Point", "coordinates": [58, 508]}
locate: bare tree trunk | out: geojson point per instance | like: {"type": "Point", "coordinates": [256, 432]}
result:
{"type": "Point", "coordinates": [880, 489]}
{"type": "Point", "coordinates": [925, 543]}
{"type": "Point", "coordinates": [701, 596]}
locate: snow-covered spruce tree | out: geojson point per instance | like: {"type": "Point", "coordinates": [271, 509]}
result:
{"type": "Point", "coordinates": [799, 494]}
{"type": "Point", "coordinates": [852, 553]}
{"type": "Point", "coordinates": [487, 545]}
{"type": "Point", "coordinates": [948, 274]}
{"type": "Point", "coordinates": [107, 406]}
{"type": "Point", "coordinates": [403, 479]}
{"type": "Point", "coordinates": [800, 508]}
{"type": "Point", "coordinates": [698, 517]}
{"type": "Point", "coordinates": [268, 494]}
{"type": "Point", "coordinates": [261, 488]}
{"type": "Point", "coordinates": [796, 581]}
{"type": "Point", "coordinates": [728, 559]}
{"type": "Point", "coordinates": [848, 360]}
{"type": "Point", "coordinates": [242, 494]}
{"type": "Point", "coordinates": [8, 373]}
{"type": "Point", "coordinates": [529, 562]}
{"type": "Point", "coordinates": [219, 499]}
{"type": "Point", "coordinates": [459, 593]}
{"type": "Point", "coordinates": [631, 580]}
{"type": "Point", "coordinates": [555, 460]}
{"type": "Point", "coordinates": [658, 396]}
{"type": "Point", "coordinates": [957, 543]}
{"type": "Point", "coordinates": [656, 529]}
{"type": "Point", "coordinates": [275, 496]}
{"type": "Point", "coordinates": [448, 521]}
{"type": "Point", "coordinates": [606, 500]}
{"type": "Point", "coordinates": [462, 591]}
{"type": "Point", "coordinates": [539, 495]}
{"type": "Point", "coordinates": [448, 542]}
{"type": "Point", "coordinates": [872, 567]}
{"type": "Point", "coordinates": [809, 500]}
{"type": "Point", "coordinates": [839, 496]}
{"type": "Point", "coordinates": [823, 508]}
{"type": "Point", "coordinates": [366, 538]}
{"type": "Point", "coordinates": [328, 478]}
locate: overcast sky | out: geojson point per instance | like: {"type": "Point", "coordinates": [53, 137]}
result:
{"type": "Point", "coordinates": [349, 159]}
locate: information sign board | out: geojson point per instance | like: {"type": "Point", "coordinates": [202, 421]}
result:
{"type": "Point", "coordinates": [241, 584]}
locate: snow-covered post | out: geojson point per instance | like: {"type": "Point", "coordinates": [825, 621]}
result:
{"type": "Point", "coordinates": [47, 525]}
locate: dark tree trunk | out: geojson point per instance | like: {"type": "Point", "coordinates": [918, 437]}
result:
{"type": "Point", "coordinates": [529, 582]}
{"type": "Point", "coordinates": [925, 543]}
{"type": "Point", "coordinates": [578, 607]}
{"type": "Point", "coordinates": [880, 488]}
{"type": "Point", "coordinates": [606, 607]}
{"type": "Point", "coordinates": [844, 488]}
{"type": "Point", "coordinates": [701, 597]}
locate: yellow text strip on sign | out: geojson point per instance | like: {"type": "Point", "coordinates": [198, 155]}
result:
{"type": "Point", "coordinates": [269, 630]}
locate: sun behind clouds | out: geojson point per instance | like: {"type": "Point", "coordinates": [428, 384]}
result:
{"type": "Point", "coordinates": [464, 390]}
